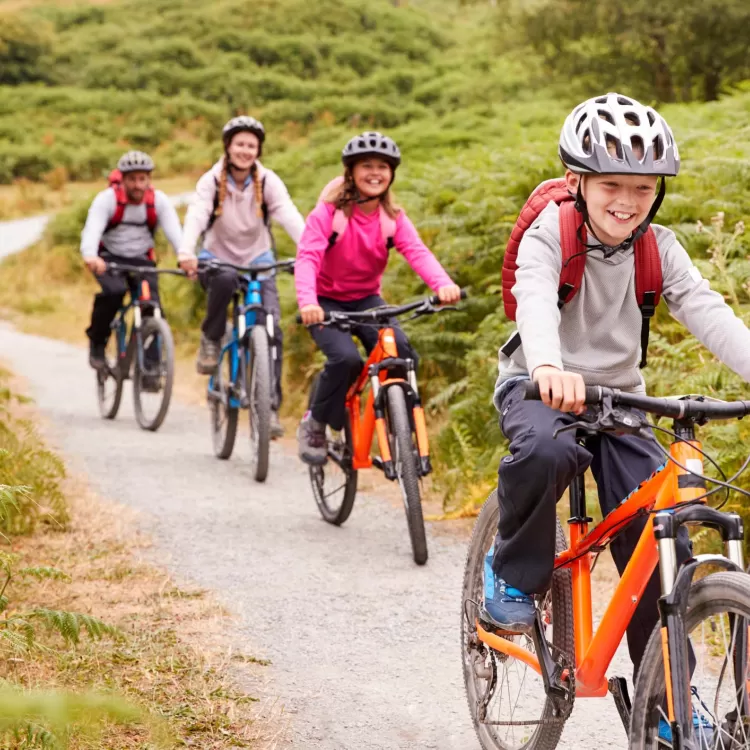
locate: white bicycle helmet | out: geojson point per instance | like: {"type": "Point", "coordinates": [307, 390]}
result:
{"type": "Point", "coordinates": [243, 124]}
{"type": "Point", "coordinates": [639, 136]}
{"type": "Point", "coordinates": [135, 161]}
{"type": "Point", "coordinates": [371, 143]}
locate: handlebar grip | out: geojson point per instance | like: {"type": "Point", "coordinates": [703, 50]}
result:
{"type": "Point", "coordinates": [531, 393]}
{"type": "Point", "coordinates": [326, 318]}
{"type": "Point", "coordinates": [435, 300]}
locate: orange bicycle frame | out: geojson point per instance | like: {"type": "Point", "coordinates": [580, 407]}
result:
{"type": "Point", "coordinates": [366, 423]}
{"type": "Point", "coordinates": [594, 652]}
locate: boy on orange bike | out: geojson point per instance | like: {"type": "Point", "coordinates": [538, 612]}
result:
{"type": "Point", "coordinates": [341, 258]}
{"type": "Point", "coordinates": [617, 154]}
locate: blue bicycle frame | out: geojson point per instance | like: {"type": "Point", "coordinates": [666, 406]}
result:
{"type": "Point", "coordinates": [244, 317]}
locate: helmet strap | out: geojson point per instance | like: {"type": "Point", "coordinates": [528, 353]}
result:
{"type": "Point", "coordinates": [610, 250]}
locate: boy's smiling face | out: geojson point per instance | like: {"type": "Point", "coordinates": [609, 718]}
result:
{"type": "Point", "coordinates": [617, 203]}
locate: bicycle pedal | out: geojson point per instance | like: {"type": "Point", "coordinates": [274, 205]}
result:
{"type": "Point", "coordinates": [618, 686]}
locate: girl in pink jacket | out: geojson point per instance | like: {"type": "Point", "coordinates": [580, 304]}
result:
{"type": "Point", "coordinates": [231, 211]}
{"type": "Point", "coordinates": [341, 267]}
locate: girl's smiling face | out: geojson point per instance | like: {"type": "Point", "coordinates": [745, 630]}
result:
{"type": "Point", "coordinates": [372, 176]}
{"type": "Point", "coordinates": [243, 150]}
{"type": "Point", "coordinates": [617, 203]}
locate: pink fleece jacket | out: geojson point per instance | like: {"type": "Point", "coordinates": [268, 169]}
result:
{"type": "Point", "coordinates": [354, 266]}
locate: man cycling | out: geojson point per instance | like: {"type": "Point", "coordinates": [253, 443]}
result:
{"type": "Point", "coordinates": [120, 229]}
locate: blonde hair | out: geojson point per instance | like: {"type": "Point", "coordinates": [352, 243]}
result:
{"type": "Point", "coordinates": [257, 186]}
{"type": "Point", "coordinates": [345, 195]}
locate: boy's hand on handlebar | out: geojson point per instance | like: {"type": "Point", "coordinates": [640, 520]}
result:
{"type": "Point", "coordinates": [97, 266]}
{"type": "Point", "coordinates": [561, 390]}
{"type": "Point", "coordinates": [312, 314]}
{"type": "Point", "coordinates": [189, 265]}
{"type": "Point", "coordinates": [449, 295]}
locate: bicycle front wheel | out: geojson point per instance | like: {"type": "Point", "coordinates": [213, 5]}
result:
{"type": "Point", "coordinates": [405, 457]}
{"type": "Point", "coordinates": [152, 385]}
{"type": "Point", "coordinates": [716, 623]}
{"type": "Point", "coordinates": [507, 701]}
{"type": "Point", "coordinates": [334, 485]}
{"type": "Point", "coordinates": [259, 401]}
{"type": "Point", "coordinates": [109, 380]}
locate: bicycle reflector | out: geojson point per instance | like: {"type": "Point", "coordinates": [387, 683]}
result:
{"type": "Point", "coordinates": [145, 291]}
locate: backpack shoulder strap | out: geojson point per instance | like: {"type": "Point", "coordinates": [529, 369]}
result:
{"type": "Point", "coordinates": [648, 284]}
{"type": "Point", "coordinates": [263, 204]}
{"type": "Point", "coordinates": [212, 218]}
{"type": "Point", "coordinates": [572, 239]}
{"type": "Point", "coordinates": [121, 199]}
{"type": "Point", "coordinates": [151, 218]}
{"type": "Point", "coordinates": [339, 223]}
{"type": "Point", "coordinates": [387, 228]}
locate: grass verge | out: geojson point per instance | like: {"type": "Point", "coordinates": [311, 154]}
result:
{"type": "Point", "coordinates": [173, 655]}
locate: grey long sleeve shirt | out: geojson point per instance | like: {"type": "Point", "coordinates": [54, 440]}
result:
{"type": "Point", "coordinates": [597, 333]}
{"type": "Point", "coordinates": [131, 238]}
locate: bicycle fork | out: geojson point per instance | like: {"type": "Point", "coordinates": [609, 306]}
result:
{"type": "Point", "coordinates": [420, 428]}
{"type": "Point", "coordinates": [675, 587]}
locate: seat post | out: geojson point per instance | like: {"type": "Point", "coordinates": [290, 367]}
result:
{"type": "Point", "coordinates": [580, 569]}
{"type": "Point", "coordinates": [577, 494]}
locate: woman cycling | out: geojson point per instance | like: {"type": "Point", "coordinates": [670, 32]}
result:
{"type": "Point", "coordinates": [233, 205]}
{"type": "Point", "coordinates": [339, 267]}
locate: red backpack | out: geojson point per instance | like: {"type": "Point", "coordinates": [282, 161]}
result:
{"type": "Point", "coordinates": [648, 277]}
{"type": "Point", "coordinates": [340, 221]}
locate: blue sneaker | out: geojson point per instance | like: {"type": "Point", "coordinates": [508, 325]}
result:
{"type": "Point", "coordinates": [702, 727]}
{"type": "Point", "coordinates": [505, 608]}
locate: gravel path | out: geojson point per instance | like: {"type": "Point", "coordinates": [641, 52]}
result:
{"type": "Point", "coordinates": [363, 644]}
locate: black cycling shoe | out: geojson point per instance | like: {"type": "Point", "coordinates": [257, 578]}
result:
{"type": "Point", "coordinates": [150, 383]}
{"type": "Point", "coordinates": [97, 359]}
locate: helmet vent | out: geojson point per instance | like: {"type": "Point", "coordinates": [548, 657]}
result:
{"type": "Point", "coordinates": [636, 143]}
{"type": "Point", "coordinates": [601, 100]}
{"type": "Point", "coordinates": [586, 142]}
{"type": "Point", "coordinates": [606, 116]}
{"type": "Point", "coordinates": [613, 144]}
{"type": "Point", "coordinates": [632, 119]}
{"type": "Point", "coordinates": [624, 102]}
{"type": "Point", "coordinates": [658, 146]}
{"type": "Point", "coordinates": [580, 122]}
{"type": "Point", "coordinates": [651, 116]}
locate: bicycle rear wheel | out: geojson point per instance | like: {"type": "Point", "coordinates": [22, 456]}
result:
{"type": "Point", "coordinates": [718, 611]}
{"type": "Point", "coordinates": [334, 485]}
{"type": "Point", "coordinates": [109, 381]}
{"type": "Point", "coordinates": [224, 416]}
{"type": "Point", "coordinates": [405, 457]}
{"type": "Point", "coordinates": [152, 386]}
{"type": "Point", "coordinates": [507, 701]}
{"type": "Point", "coordinates": [259, 401]}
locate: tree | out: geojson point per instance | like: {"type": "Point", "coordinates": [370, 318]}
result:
{"type": "Point", "coordinates": [667, 50]}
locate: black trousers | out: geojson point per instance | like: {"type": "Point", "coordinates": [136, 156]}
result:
{"type": "Point", "coordinates": [221, 284]}
{"type": "Point", "coordinates": [114, 286]}
{"type": "Point", "coordinates": [344, 362]}
{"type": "Point", "coordinates": [535, 476]}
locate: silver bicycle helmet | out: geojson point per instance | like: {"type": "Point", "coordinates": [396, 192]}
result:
{"type": "Point", "coordinates": [614, 134]}
{"type": "Point", "coordinates": [243, 124]}
{"type": "Point", "coordinates": [371, 143]}
{"type": "Point", "coordinates": [135, 161]}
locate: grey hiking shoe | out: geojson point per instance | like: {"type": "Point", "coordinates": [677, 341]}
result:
{"type": "Point", "coordinates": [277, 429]}
{"type": "Point", "coordinates": [312, 442]}
{"type": "Point", "coordinates": [208, 356]}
